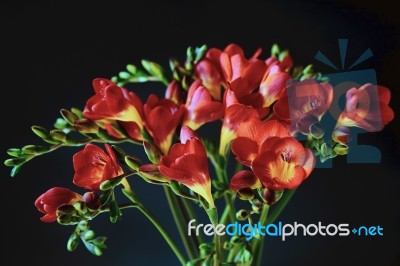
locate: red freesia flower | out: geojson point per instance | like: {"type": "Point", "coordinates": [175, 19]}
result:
{"type": "Point", "coordinates": [303, 104]}
{"type": "Point", "coordinates": [209, 72]}
{"type": "Point", "coordinates": [285, 164]}
{"type": "Point", "coordinates": [53, 198]}
{"type": "Point", "coordinates": [114, 103]}
{"type": "Point", "coordinates": [236, 116]}
{"type": "Point", "coordinates": [273, 84]}
{"type": "Point", "coordinates": [200, 108]}
{"type": "Point", "coordinates": [254, 137]}
{"type": "Point", "coordinates": [222, 67]}
{"type": "Point", "coordinates": [162, 118]}
{"type": "Point", "coordinates": [93, 166]}
{"type": "Point", "coordinates": [187, 163]}
{"type": "Point", "coordinates": [367, 108]}
{"type": "Point", "coordinates": [174, 92]}
{"type": "Point", "coordinates": [277, 159]}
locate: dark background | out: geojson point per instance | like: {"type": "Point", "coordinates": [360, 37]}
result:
{"type": "Point", "coordinates": [51, 52]}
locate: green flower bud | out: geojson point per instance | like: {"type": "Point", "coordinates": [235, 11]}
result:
{"type": "Point", "coordinates": [73, 242]}
{"type": "Point", "coordinates": [242, 215]}
{"type": "Point", "coordinates": [64, 219]}
{"type": "Point", "coordinates": [86, 126]}
{"type": "Point", "coordinates": [153, 153]}
{"type": "Point", "coordinates": [83, 225]}
{"type": "Point", "coordinates": [69, 116]}
{"type": "Point", "coordinates": [132, 162]}
{"type": "Point", "coordinates": [58, 135]}
{"type": "Point", "coordinates": [341, 149]}
{"type": "Point", "coordinates": [41, 132]}
{"type": "Point", "coordinates": [80, 207]}
{"type": "Point", "coordinates": [245, 193]}
{"type": "Point", "coordinates": [66, 209]}
{"type": "Point", "coordinates": [14, 161]}
{"type": "Point", "coordinates": [14, 152]}
{"type": "Point", "coordinates": [88, 235]}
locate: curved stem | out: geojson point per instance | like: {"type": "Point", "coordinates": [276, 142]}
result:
{"type": "Point", "coordinates": [164, 233]}
{"type": "Point", "coordinates": [280, 206]}
{"type": "Point", "coordinates": [171, 199]}
{"type": "Point", "coordinates": [259, 241]}
{"type": "Point", "coordinates": [131, 195]}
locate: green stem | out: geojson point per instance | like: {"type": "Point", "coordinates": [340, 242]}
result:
{"type": "Point", "coordinates": [280, 206]}
{"type": "Point", "coordinates": [192, 252]}
{"type": "Point", "coordinates": [213, 216]}
{"type": "Point", "coordinates": [164, 233]}
{"type": "Point", "coordinates": [188, 206]}
{"type": "Point", "coordinates": [259, 241]}
{"type": "Point", "coordinates": [131, 195]}
{"type": "Point", "coordinates": [171, 199]}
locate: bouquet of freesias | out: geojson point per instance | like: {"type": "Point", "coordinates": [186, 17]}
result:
{"type": "Point", "coordinates": [260, 107]}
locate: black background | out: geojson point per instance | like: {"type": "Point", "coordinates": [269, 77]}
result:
{"type": "Point", "coordinates": [51, 52]}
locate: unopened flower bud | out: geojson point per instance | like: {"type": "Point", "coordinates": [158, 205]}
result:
{"type": "Point", "coordinates": [68, 116]}
{"type": "Point", "coordinates": [64, 219]}
{"type": "Point", "coordinates": [132, 162]}
{"type": "Point", "coordinates": [58, 135]}
{"type": "Point", "coordinates": [271, 196]}
{"type": "Point", "coordinates": [83, 225]}
{"type": "Point", "coordinates": [65, 209]}
{"type": "Point", "coordinates": [87, 235]}
{"type": "Point", "coordinates": [153, 153]}
{"type": "Point", "coordinates": [174, 93]}
{"type": "Point", "coordinates": [73, 242]}
{"type": "Point", "coordinates": [242, 215]}
{"type": "Point", "coordinates": [80, 207]}
{"type": "Point", "coordinates": [317, 131]}
{"type": "Point", "coordinates": [341, 149]}
{"type": "Point", "coordinates": [86, 126]}
{"type": "Point", "coordinates": [341, 135]}
{"type": "Point", "coordinates": [151, 173]}
{"type": "Point", "coordinates": [245, 193]}
{"type": "Point", "coordinates": [92, 200]}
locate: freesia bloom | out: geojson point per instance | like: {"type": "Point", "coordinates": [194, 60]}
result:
{"type": "Point", "coordinates": [235, 116]}
{"type": "Point", "coordinates": [93, 166]}
{"type": "Point", "coordinates": [367, 108]}
{"type": "Point", "coordinates": [303, 104]}
{"type": "Point", "coordinates": [53, 198]}
{"type": "Point", "coordinates": [162, 118]}
{"type": "Point", "coordinates": [277, 159]}
{"type": "Point", "coordinates": [187, 163]}
{"type": "Point", "coordinates": [273, 84]}
{"type": "Point", "coordinates": [285, 164]}
{"type": "Point", "coordinates": [222, 67]}
{"type": "Point", "coordinates": [200, 108]}
{"type": "Point", "coordinates": [254, 137]}
{"type": "Point", "coordinates": [114, 103]}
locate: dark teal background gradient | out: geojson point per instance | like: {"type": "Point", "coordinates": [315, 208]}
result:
{"type": "Point", "coordinates": [51, 52]}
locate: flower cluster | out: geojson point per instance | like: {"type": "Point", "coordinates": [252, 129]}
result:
{"type": "Point", "coordinates": [260, 106]}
